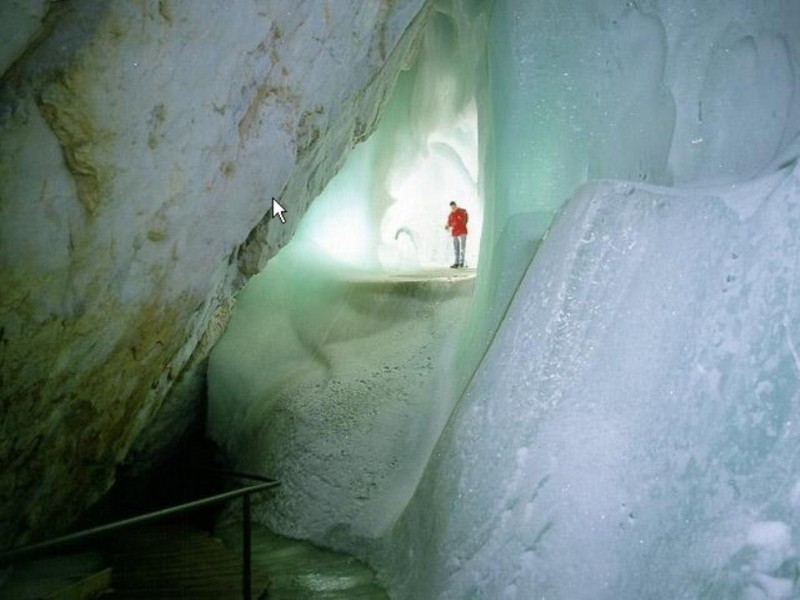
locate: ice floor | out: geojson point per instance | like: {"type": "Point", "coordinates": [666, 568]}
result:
{"type": "Point", "coordinates": [420, 275]}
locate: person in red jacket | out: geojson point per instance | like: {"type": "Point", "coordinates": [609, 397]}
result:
{"type": "Point", "coordinates": [457, 225]}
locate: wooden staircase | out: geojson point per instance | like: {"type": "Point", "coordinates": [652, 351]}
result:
{"type": "Point", "coordinates": [146, 563]}
{"type": "Point", "coordinates": [73, 576]}
{"type": "Point", "coordinates": [299, 570]}
{"type": "Point", "coordinates": [177, 561]}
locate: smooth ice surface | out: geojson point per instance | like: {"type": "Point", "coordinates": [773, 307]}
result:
{"type": "Point", "coordinates": [633, 431]}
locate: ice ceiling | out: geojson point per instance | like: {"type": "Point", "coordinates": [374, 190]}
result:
{"type": "Point", "coordinates": [627, 426]}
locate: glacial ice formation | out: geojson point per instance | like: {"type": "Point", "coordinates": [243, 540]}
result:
{"type": "Point", "coordinates": [628, 426]}
{"type": "Point", "coordinates": [632, 432]}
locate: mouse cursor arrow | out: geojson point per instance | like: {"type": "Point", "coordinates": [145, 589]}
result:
{"type": "Point", "coordinates": [278, 210]}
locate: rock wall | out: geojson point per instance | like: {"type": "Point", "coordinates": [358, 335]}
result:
{"type": "Point", "coordinates": [141, 142]}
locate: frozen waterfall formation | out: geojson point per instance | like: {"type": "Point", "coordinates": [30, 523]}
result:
{"type": "Point", "coordinates": [632, 430]}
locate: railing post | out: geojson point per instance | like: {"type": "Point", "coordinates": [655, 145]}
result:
{"type": "Point", "coordinates": [246, 575]}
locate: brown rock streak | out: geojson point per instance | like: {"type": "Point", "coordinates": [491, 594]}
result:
{"type": "Point", "coordinates": [76, 136]}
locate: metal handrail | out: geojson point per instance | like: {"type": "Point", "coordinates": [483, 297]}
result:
{"type": "Point", "coordinates": [41, 548]}
{"type": "Point", "coordinates": [239, 475]}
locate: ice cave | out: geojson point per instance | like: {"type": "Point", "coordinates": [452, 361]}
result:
{"type": "Point", "coordinates": [604, 403]}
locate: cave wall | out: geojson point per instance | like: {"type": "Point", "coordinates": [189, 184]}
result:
{"type": "Point", "coordinates": [141, 142]}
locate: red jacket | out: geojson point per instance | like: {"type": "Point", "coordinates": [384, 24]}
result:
{"type": "Point", "coordinates": [457, 222]}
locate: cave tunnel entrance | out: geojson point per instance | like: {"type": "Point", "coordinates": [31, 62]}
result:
{"type": "Point", "coordinates": [337, 370]}
{"type": "Point", "coordinates": [384, 211]}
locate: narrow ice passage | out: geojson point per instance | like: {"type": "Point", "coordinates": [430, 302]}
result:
{"type": "Point", "coordinates": [334, 374]}
{"type": "Point", "coordinates": [631, 431]}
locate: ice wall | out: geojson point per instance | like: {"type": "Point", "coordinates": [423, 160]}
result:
{"type": "Point", "coordinates": [667, 92]}
{"type": "Point", "coordinates": [631, 432]}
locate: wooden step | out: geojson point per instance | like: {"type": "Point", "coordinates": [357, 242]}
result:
{"type": "Point", "coordinates": [71, 576]}
{"type": "Point", "coordinates": [177, 561]}
{"type": "Point", "coordinates": [87, 588]}
{"type": "Point", "coordinates": [299, 570]}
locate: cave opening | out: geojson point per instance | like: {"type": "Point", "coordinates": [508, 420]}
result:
{"type": "Point", "coordinates": [383, 212]}
{"type": "Point", "coordinates": [340, 364]}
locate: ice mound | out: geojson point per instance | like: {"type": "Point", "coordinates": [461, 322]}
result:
{"type": "Point", "coordinates": [328, 379]}
{"type": "Point", "coordinates": [632, 432]}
